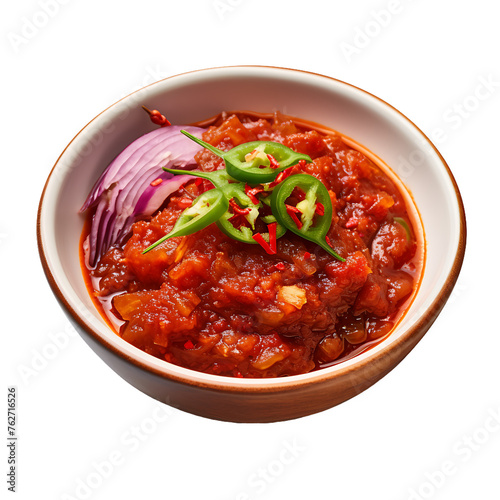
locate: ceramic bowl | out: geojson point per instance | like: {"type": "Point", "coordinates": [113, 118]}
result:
{"type": "Point", "coordinates": [199, 95]}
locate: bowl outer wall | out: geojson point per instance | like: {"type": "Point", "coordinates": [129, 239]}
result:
{"type": "Point", "coordinates": [194, 96]}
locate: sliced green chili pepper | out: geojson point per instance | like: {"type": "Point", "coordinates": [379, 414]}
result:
{"type": "Point", "coordinates": [311, 225]}
{"type": "Point", "coordinates": [234, 205]}
{"type": "Point", "coordinates": [205, 210]}
{"type": "Point", "coordinates": [233, 224]}
{"type": "Point", "coordinates": [256, 162]}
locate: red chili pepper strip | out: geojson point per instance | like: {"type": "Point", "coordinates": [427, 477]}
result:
{"type": "Point", "coordinates": [320, 208]}
{"type": "Point", "coordinates": [307, 255]}
{"type": "Point", "coordinates": [274, 162]}
{"type": "Point", "coordinates": [263, 243]}
{"type": "Point", "coordinates": [292, 212]}
{"type": "Point", "coordinates": [238, 219]}
{"type": "Point", "coordinates": [291, 208]}
{"type": "Point", "coordinates": [272, 235]}
{"type": "Point", "coordinates": [237, 209]}
{"type": "Point", "coordinates": [297, 221]}
{"type": "Point", "coordinates": [281, 177]}
{"type": "Point", "coordinates": [252, 193]}
{"type": "Point", "coordinates": [188, 345]}
{"type": "Point", "coordinates": [280, 266]}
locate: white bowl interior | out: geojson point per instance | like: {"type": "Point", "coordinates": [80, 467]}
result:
{"type": "Point", "coordinates": [196, 96]}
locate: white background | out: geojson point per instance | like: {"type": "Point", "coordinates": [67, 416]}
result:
{"type": "Point", "coordinates": [427, 430]}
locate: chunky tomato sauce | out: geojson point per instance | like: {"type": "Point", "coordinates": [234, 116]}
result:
{"type": "Point", "coordinates": [216, 305]}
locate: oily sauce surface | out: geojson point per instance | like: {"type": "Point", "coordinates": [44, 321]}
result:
{"type": "Point", "coordinates": [213, 304]}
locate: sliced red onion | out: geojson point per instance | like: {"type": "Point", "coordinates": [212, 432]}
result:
{"type": "Point", "coordinates": [130, 187]}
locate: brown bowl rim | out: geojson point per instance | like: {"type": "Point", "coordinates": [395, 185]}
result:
{"type": "Point", "coordinates": [403, 344]}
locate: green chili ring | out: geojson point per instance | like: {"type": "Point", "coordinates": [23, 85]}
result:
{"type": "Point", "coordinates": [256, 171]}
{"type": "Point", "coordinates": [205, 210]}
{"type": "Point", "coordinates": [313, 232]}
{"type": "Point", "coordinates": [253, 171]}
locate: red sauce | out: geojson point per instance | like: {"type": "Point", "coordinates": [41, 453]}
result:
{"type": "Point", "coordinates": [213, 304]}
